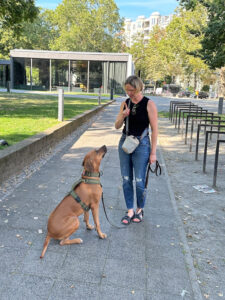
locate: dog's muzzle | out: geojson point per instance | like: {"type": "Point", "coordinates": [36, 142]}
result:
{"type": "Point", "coordinates": [103, 149]}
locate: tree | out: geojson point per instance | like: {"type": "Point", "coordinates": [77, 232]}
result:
{"type": "Point", "coordinates": [138, 51]}
{"type": "Point", "coordinates": [14, 12]}
{"type": "Point", "coordinates": [179, 43]}
{"type": "Point", "coordinates": [155, 58]}
{"type": "Point", "coordinates": [166, 55]}
{"type": "Point", "coordinates": [213, 43]}
{"type": "Point", "coordinates": [87, 25]}
{"type": "Point", "coordinates": [33, 35]}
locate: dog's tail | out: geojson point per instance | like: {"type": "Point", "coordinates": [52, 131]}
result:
{"type": "Point", "coordinates": [46, 242]}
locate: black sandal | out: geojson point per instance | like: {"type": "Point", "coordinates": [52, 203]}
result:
{"type": "Point", "coordinates": [138, 216]}
{"type": "Point", "coordinates": [128, 219]}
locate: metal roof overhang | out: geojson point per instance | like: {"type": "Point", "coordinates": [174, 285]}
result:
{"type": "Point", "coordinates": [92, 56]}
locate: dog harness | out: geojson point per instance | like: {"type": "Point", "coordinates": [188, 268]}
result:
{"type": "Point", "coordinates": [85, 180]}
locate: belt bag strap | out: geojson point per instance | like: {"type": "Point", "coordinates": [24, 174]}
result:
{"type": "Point", "coordinates": [127, 121]}
{"type": "Point", "coordinates": [144, 133]}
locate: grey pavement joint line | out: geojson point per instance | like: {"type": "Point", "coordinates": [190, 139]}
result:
{"type": "Point", "coordinates": [187, 255]}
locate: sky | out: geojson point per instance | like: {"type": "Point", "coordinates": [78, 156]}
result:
{"type": "Point", "coordinates": [129, 8]}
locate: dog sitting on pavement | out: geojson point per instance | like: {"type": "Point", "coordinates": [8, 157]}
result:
{"type": "Point", "coordinates": [84, 195]}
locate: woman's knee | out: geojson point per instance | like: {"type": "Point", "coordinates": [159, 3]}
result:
{"type": "Point", "coordinates": [127, 180]}
{"type": "Point", "coordinates": [140, 184]}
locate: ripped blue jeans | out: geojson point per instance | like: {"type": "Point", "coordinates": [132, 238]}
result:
{"type": "Point", "coordinates": [134, 165]}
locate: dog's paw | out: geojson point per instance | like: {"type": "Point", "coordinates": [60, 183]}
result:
{"type": "Point", "coordinates": [90, 227]}
{"type": "Point", "coordinates": [103, 236]}
{"type": "Point", "coordinates": [81, 241]}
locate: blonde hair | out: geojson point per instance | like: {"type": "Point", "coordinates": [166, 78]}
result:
{"type": "Point", "coordinates": [135, 82]}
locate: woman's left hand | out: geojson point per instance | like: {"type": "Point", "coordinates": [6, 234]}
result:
{"type": "Point", "coordinates": [152, 158]}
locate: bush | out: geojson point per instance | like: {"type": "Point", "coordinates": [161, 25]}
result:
{"type": "Point", "coordinates": [205, 88]}
{"type": "Point", "coordinates": [191, 89]}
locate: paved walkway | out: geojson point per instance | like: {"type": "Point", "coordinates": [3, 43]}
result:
{"type": "Point", "coordinates": [149, 260]}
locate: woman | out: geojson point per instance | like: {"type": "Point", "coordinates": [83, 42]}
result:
{"type": "Point", "coordinates": [142, 112]}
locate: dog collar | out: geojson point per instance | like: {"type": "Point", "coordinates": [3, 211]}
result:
{"type": "Point", "coordinates": [91, 174]}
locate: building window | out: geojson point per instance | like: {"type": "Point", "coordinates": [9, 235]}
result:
{"type": "Point", "coordinates": [22, 73]}
{"type": "Point", "coordinates": [117, 76]}
{"type": "Point", "coordinates": [95, 76]}
{"type": "Point", "coordinates": [78, 75]}
{"type": "Point", "coordinates": [60, 73]}
{"type": "Point", "coordinates": [40, 74]}
{"type": "Point", "coordinates": [2, 76]}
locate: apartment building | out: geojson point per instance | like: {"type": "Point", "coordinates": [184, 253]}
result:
{"type": "Point", "coordinates": [143, 26]}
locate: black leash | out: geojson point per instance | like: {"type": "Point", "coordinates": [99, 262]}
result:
{"type": "Point", "coordinates": [157, 171]}
{"type": "Point", "coordinates": [103, 204]}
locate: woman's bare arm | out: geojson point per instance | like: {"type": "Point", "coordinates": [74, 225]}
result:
{"type": "Point", "coordinates": [153, 119]}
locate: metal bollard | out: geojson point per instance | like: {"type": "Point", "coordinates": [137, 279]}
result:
{"type": "Point", "coordinates": [111, 94]}
{"type": "Point", "coordinates": [220, 106]}
{"type": "Point", "coordinates": [99, 96]}
{"type": "Point", "coordinates": [60, 104]}
{"type": "Point", "coordinates": [8, 86]}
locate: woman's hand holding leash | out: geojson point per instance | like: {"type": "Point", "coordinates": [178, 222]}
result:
{"type": "Point", "coordinates": [152, 158]}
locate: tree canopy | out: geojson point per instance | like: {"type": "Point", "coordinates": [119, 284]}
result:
{"type": "Point", "coordinates": [14, 12]}
{"type": "Point", "coordinates": [213, 42]}
{"type": "Point", "coordinates": [167, 53]}
{"type": "Point", "coordinates": [33, 35]}
{"type": "Point", "coordinates": [87, 25]}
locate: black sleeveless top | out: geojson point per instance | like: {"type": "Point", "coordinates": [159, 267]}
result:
{"type": "Point", "coordinates": [138, 117]}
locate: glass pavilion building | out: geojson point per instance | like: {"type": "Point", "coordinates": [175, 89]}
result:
{"type": "Point", "coordinates": [72, 71]}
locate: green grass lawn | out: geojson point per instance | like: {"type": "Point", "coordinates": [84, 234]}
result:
{"type": "Point", "coordinates": [163, 114]}
{"type": "Point", "coordinates": [24, 115]}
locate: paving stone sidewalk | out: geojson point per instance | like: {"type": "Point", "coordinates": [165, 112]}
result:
{"type": "Point", "coordinates": [149, 260]}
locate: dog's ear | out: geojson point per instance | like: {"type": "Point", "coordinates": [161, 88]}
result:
{"type": "Point", "coordinates": [88, 165]}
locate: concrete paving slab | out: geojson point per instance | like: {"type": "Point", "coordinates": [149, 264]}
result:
{"type": "Point", "coordinates": [122, 274]}
{"type": "Point", "coordinates": [33, 265]}
{"type": "Point", "coordinates": [27, 287]}
{"type": "Point", "coordinates": [70, 289]}
{"type": "Point", "coordinates": [82, 269]}
{"type": "Point", "coordinates": [168, 276]}
{"type": "Point", "coordinates": [108, 291]}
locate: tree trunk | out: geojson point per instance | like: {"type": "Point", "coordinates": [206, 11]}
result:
{"type": "Point", "coordinates": [222, 82]}
{"type": "Point", "coordinates": [195, 81]}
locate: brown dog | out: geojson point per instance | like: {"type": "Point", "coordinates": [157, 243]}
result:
{"type": "Point", "coordinates": [63, 221]}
